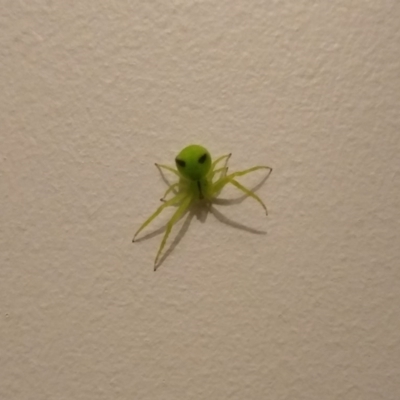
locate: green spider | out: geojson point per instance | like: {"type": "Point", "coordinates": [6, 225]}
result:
{"type": "Point", "coordinates": [199, 180]}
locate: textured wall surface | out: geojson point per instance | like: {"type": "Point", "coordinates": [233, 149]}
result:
{"type": "Point", "coordinates": [93, 93]}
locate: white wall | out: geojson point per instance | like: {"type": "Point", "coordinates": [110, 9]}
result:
{"type": "Point", "coordinates": [93, 93]}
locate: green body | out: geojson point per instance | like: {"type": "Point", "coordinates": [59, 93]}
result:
{"type": "Point", "coordinates": [199, 179]}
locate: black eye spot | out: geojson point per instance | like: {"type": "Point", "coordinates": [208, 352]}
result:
{"type": "Point", "coordinates": [203, 158]}
{"type": "Point", "coordinates": [181, 163]}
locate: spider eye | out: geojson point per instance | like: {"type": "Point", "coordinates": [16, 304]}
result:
{"type": "Point", "coordinates": [203, 158]}
{"type": "Point", "coordinates": [181, 163]}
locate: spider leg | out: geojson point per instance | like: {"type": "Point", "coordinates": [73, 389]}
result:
{"type": "Point", "coordinates": [160, 166]}
{"type": "Point", "coordinates": [174, 219]}
{"type": "Point", "coordinates": [250, 193]}
{"type": "Point", "coordinates": [223, 181]}
{"type": "Point", "coordinates": [227, 156]}
{"type": "Point", "coordinates": [170, 189]}
{"type": "Point", "coordinates": [211, 174]}
{"type": "Point", "coordinates": [222, 170]}
{"type": "Point", "coordinates": [247, 171]}
{"type": "Point", "coordinates": [176, 199]}
{"type": "Point", "coordinates": [219, 185]}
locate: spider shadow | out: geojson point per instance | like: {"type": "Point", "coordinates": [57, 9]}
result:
{"type": "Point", "coordinates": [201, 210]}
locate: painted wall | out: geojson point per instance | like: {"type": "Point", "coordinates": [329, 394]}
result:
{"type": "Point", "coordinates": [93, 93]}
